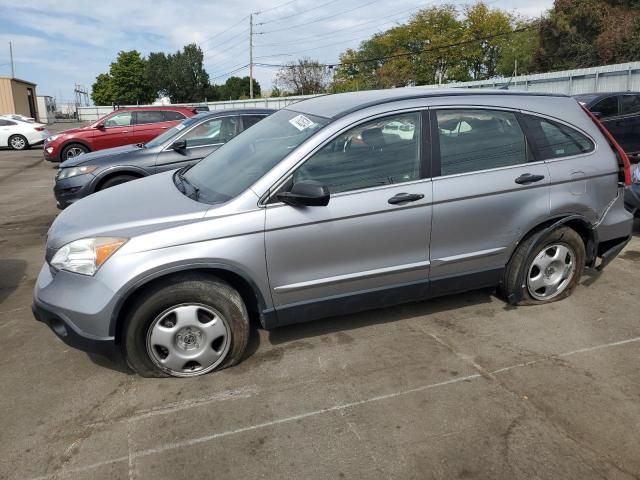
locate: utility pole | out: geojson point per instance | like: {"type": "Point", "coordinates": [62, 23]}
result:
{"type": "Point", "coordinates": [13, 71]}
{"type": "Point", "coordinates": [251, 56]}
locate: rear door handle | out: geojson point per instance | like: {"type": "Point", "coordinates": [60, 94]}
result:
{"type": "Point", "coordinates": [405, 198]}
{"type": "Point", "coordinates": [527, 178]}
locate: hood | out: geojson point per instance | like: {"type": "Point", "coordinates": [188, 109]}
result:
{"type": "Point", "coordinates": [93, 157]}
{"type": "Point", "coordinates": [133, 208]}
{"type": "Point", "coordinates": [75, 130]}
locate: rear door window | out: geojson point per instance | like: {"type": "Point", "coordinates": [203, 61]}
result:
{"type": "Point", "coordinates": [473, 140]}
{"type": "Point", "coordinates": [151, 116]}
{"type": "Point", "coordinates": [555, 140]}
{"type": "Point", "coordinates": [630, 104]}
{"type": "Point", "coordinates": [607, 107]}
{"type": "Point", "coordinates": [171, 116]}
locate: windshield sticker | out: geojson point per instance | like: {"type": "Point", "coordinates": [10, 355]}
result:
{"type": "Point", "coordinates": [180, 126]}
{"type": "Point", "coordinates": [301, 122]}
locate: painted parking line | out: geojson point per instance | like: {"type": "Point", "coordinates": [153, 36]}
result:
{"type": "Point", "coordinates": [133, 455]}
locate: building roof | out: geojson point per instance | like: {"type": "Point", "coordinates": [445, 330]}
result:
{"type": "Point", "coordinates": [341, 104]}
{"type": "Point", "coordinates": [18, 80]}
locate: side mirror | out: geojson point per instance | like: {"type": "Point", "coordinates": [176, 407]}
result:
{"type": "Point", "coordinates": [100, 126]}
{"type": "Point", "coordinates": [306, 193]}
{"type": "Point", "coordinates": [597, 114]}
{"type": "Point", "coordinates": [180, 146]}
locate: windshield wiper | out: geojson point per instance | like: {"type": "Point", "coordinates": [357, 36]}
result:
{"type": "Point", "coordinates": [184, 181]}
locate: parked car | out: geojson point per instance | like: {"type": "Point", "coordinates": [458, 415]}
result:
{"type": "Point", "coordinates": [124, 126]}
{"type": "Point", "coordinates": [288, 223]}
{"type": "Point", "coordinates": [185, 144]}
{"type": "Point", "coordinates": [632, 192]}
{"type": "Point", "coordinates": [17, 116]}
{"type": "Point", "coordinates": [21, 135]}
{"type": "Point", "coordinates": [620, 114]}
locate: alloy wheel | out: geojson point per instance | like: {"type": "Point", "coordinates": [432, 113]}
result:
{"type": "Point", "coordinates": [551, 271]}
{"type": "Point", "coordinates": [18, 143]}
{"type": "Point", "coordinates": [188, 340]}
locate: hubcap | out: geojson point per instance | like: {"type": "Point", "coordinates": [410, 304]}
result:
{"type": "Point", "coordinates": [551, 271]}
{"type": "Point", "coordinates": [74, 152]}
{"type": "Point", "coordinates": [188, 340]}
{"type": "Point", "coordinates": [17, 143]}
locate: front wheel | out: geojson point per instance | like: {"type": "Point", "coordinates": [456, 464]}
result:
{"type": "Point", "coordinates": [116, 180]}
{"type": "Point", "coordinates": [73, 150]}
{"type": "Point", "coordinates": [18, 142]}
{"type": "Point", "coordinates": [546, 269]}
{"type": "Point", "coordinates": [186, 327]}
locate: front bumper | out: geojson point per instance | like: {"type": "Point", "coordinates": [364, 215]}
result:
{"type": "Point", "coordinates": [51, 152]}
{"type": "Point", "coordinates": [72, 189]}
{"type": "Point", "coordinates": [68, 333]}
{"type": "Point", "coordinates": [86, 327]}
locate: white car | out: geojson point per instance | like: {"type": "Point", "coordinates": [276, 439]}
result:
{"type": "Point", "coordinates": [22, 118]}
{"type": "Point", "coordinates": [21, 135]}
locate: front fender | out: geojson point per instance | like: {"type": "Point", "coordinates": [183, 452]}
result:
{"type": "Point", "coordinates": [135, 284]}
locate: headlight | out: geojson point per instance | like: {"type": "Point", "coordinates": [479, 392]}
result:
{"type": "Point", "coordinates": [73, 171]}
{"type": "Point", "coordinates": [635, 176]}
{"type": "Point", "coordinates": [52, 138]}
{"type": "Point", "coordinates": [86, 255]}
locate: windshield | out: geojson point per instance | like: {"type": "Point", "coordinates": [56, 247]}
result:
{"type": "Point", "coordinates": [172, 132]}
{"type": "Point", "coordinates": [239, 163]}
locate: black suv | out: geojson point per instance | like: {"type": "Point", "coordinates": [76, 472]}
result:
{"type": "Point", "coordinates": [620, 113]}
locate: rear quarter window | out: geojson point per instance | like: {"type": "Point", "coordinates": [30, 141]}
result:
{"type": "Point", "coordinates": [556, 140]}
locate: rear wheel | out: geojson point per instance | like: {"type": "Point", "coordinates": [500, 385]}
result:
{"type": "Point", "coordinates": [18, 142]}
{"type": "Point", "coordinates": [116, 180]}
{"type": "Point", "coordinates": [73, 150]}
{"type": "Point", "coordinates": [187, 327]}
{"type": "Point", "coordinates": [546, 269]}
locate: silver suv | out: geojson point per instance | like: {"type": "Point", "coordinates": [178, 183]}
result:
{"type": "Point", "coordinates": [333, 205]}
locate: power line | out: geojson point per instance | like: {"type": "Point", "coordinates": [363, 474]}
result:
{"type": "Point", "coordinates": [321, 18]}
{"type": "Point", "coordinates": [227, 40]}
{"type": "Point", "coordinates": [230, 73]}
{"type": "Point", "coordinates": [406, 54]}
{"type": "Point", "coordinates": [298, 13]}
{"type": "Point", "coordinates": [276, 7]}
{"type": "Point", "coordinates": [226, 30]}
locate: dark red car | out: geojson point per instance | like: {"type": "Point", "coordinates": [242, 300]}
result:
{"type": "Point", "coordinates": [124, 126]}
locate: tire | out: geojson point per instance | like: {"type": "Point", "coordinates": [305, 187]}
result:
{"type": "Point", "coordinates": [18, 142]}
{"type": "Point", "coordinates": [174, 328]}
{"type": "Point", "coordinates": [73, 150]}
{"type": "Point", "coordinates": [116, 180]}
{"type": "Point", "coordinates": [542, 263]}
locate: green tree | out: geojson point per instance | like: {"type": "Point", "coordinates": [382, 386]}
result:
{"type": "Point", "coordinates": [238, 88]}
{"type": "Point", "coordinates": [520, 50]}
{"type": "Point", "coordinates": [304, 77]}
{"type": "Point", "coordinates": [437, 45]}
{"type": "Point", "coordinates": [157, 72]}
{"type": "Point", "coordinates": [586, 33]}
{"type": "Point", "coordinates": [130, 80]}
{"type": "Point", "coordinates": [102, 90]}
{"type": "Point", "coordinates": [187, 80]}
{"type": "Point", "coordinates": [481, 57]}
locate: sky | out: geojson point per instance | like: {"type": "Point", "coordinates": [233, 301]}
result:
{"type": "Point", "coordinates": [59, 43]}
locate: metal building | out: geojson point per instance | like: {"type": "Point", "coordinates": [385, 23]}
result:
{"type": "Point", "coordinates": [18, 96]}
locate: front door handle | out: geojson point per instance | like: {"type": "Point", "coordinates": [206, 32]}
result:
{"type": "Point", "coordinates": [527, 178]}
{"type": "Point", "coordinates": [405, 198]}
